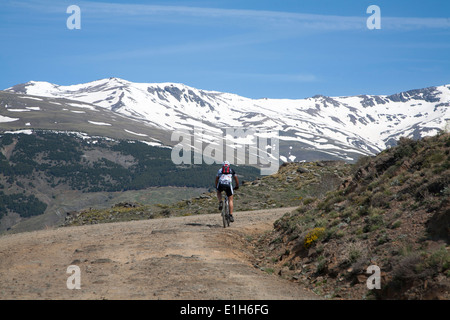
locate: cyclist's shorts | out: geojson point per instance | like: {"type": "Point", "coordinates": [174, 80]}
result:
{"type": "Point", "coordinates": [225, 187]}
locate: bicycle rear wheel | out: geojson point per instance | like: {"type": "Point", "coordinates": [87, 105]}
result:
{"type": "Point", "coordinates": [226, 214]}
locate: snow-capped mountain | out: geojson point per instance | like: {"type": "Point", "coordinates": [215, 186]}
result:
{"type": "Point", "coordinates": [317, 127]}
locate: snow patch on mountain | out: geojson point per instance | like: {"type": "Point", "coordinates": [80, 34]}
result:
{"type": "Point", "coordinates": [341, 127]}
{"type": "Point", "coordinates": [7, 119]}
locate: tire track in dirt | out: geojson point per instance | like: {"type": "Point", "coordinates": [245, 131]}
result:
{"type": "Point", "coordinates": [190, 257]}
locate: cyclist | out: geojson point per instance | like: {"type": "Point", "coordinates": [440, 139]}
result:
{"type": "Point", "coordinates": [224, 182]}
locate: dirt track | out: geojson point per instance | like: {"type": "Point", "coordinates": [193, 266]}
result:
{"type": "Point", "coordinates": [191, 257]}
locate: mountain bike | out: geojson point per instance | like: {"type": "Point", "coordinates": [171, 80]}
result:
{"type": "Point", "coordinates": [226, 213]}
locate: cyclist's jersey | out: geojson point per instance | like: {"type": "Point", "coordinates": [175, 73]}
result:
{"type": "Point", "coordinates": [226, 178]}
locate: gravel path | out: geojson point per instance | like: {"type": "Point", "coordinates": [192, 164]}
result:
{"type": "Point", "coordinates": [190, 257]}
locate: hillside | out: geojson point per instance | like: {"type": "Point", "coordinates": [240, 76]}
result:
{"type": "Point", "coordinates": [47, 172]}
{"type": "Point", "coordinates": [293, 183]}
{"type": "Point", "coordinates": [393, 211]}
{"type": "Point", "coordinates": [19, 111]}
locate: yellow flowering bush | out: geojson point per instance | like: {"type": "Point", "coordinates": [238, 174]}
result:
{"type": "Point", "coordinates": [312, 236]}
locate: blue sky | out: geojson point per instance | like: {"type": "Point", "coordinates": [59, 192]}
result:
{"type": "Point", "coordinates": [275, 49]}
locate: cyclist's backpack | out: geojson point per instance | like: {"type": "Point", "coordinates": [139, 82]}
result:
{"type": "Point", "coordinates": [226, 169]}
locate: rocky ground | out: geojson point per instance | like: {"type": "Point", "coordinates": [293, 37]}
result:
{"type": "Point", "coordinates": [191, 257]}
{"type": "Point", "coordinates": [393, 212]}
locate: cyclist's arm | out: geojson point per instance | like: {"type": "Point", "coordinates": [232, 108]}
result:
{"type": "Point", "coordinates": [237, 181]}
{"type": "Point", "coordinates": [217, 180]}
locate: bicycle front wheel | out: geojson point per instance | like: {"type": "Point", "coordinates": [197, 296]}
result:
{"type": "Point", "coordinates": [226, 215]}
{"type": "Point", "coordinates": [224, 218]}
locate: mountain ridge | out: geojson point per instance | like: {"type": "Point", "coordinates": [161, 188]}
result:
{"type": "Point", "coordinates": [330, 128]}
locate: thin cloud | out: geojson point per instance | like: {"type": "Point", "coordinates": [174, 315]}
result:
{"type": "Point", "coordinates": [144, 13]}
{"type": "Point", "coordinates": [277, 18]}
{"type": "Point", "coordinates": [404, 24]}
{"type": "Point", "coordinates": [188, 47]}
{"type": "Point", "coordinates": [258, 19]}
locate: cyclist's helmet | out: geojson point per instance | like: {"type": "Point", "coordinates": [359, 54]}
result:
{"type": "Point", "coordinates": [226, 168]}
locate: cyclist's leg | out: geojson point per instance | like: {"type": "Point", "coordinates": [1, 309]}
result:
{"type": "Point", "coordinates": [230, 204]}
{"type": "Point", "coordinates": [230, 193]}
